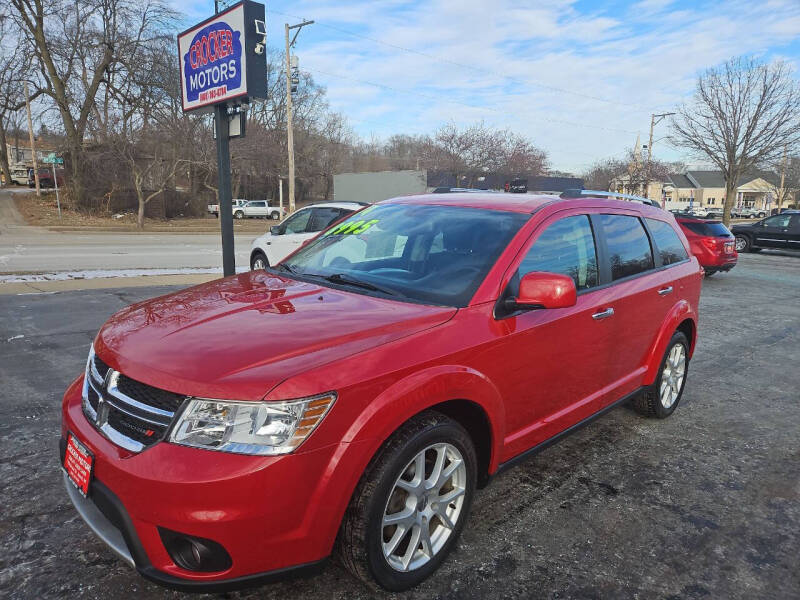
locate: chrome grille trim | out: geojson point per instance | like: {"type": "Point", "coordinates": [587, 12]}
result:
{"type": "Point", "coordinates": [116, 409]}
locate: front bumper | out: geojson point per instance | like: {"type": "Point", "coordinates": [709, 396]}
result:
{"type": "Point", "coordinates": [263, 510]}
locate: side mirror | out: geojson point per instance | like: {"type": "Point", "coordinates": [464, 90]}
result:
{"type": "Point", "coordinates": [275, 230]}
{"type": "Point", "coordinates": [544, 290]}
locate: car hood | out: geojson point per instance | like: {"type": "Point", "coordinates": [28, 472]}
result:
{"type": "Point", "coordinates": [237, 338]}
{"type": "Point", "coordinates": [742, 227]}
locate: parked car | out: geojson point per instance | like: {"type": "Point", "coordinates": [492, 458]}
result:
{"type": "Point", "coordinates": [19, 175]}
{"type": "Point", "coordinates": [281, 240]}
{"type": "Point", "coordinates": [230, 433]}
{"type": "Point", "coordinates": [235, 203]}
{"type": "Point", "coordinates": [777, 231]}
{"type": "Point", "coordinates": [518, 186]}
{"type": "Point", "coordinates": [46, 178]}
{"type": "Point", "coordinates": [711, 242]}
{"type": "Point", "coordinates": [258, 209]}
{"type": "Point", "coordinates": [748, 213]}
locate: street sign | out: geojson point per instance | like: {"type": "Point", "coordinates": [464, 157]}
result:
{"type": "Point", "coordinates": [222, 58]}
{"type": "Point", "coordinates": [52, 159]}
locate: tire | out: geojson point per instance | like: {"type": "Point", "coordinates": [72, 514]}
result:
{"type": "Point", "coordinates": [743, 244]}
{"type": "Point", "coordinates": [238, 215]}
{"type": "Point", "coordinates": [363, 535]}
{"type": "Point", "coordinates": [660, 402]}
{"type": "Point", "coordinates": [709, 273]}
{"type": "Point", "coordinates": [275, 215]}
{"type": "Point", "coordinates": [254, 260]}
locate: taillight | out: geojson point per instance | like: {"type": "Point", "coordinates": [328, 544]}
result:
{"type": "Point", "coordinates": [712, 244]}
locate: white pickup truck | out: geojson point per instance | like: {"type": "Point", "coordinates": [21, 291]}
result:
{"type": "Point", "coordinates": [237, 202]}
{"type": "Point", "coordinates": [258, 209]}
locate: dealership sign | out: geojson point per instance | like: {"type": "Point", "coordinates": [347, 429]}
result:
{"type": "Point", "coordinates": [222, 58]}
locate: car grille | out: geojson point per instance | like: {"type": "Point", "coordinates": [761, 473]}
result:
{"type": "Point", "coordinates": [130, 413]}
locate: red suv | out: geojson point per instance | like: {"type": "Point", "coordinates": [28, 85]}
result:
{"type": "Point", "coordinates": [354, 396]}
{"type": "Point", "coordinates": [711, 242]}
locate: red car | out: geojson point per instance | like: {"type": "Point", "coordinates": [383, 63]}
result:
{"type": "Point", "coordinates": [362, 389]}
{"type": "Point", "coordinates": [711, 242]}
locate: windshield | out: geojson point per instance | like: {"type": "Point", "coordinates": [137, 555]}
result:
{"type": "Point", "coordinates": [420, 253]}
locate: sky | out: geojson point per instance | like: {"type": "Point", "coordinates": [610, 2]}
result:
{"type": "Point", "coordinates": [578, 77]}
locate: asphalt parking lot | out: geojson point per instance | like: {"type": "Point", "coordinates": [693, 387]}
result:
{"type": "Point", "coordinates": [703, 505]}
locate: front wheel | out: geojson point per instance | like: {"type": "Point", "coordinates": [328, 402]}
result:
{"type": "Point", "coordinates": [258, 262]}
{"type": "Point", "coordinates": [238, 215]}
{"type": "Point", "coordinates": [743, 243]}
{"type": "Point", "coordinates": [661, 399]}
{"type": "Point", "coordinates": [411, 504]}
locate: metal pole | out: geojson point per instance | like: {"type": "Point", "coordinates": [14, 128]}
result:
{"type": "Point", "coordinates": [224, 189]}
{"type": "Point", "coordinates": [33, 143]}
{"type": "Point", "coordinates": [55, 183]}
{"type": "Point", "coordinates": [280, 195]}
{"type": "Point", "coordinates": [289, 133]}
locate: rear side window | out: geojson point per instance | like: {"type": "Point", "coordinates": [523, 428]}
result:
{"type": "Point", "coordinates": [322, 217]}
{"type": "Point", "coordinates": [628, 245]}
{"type": "Point", "coordinates": [565, 247]}
{"type": "Point", "coordinates": [667, 242]}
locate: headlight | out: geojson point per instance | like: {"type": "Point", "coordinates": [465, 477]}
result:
{"type": "Point", "coordinates": [264, 428]}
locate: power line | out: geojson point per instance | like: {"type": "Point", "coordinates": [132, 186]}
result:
{"type": "Point", "coordinates": [452, 101]}
{"type": "Point", "coordinates": [476, 68]}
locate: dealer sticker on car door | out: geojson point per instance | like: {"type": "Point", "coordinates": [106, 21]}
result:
{"type": "Point", "coordinates": [78, 463]}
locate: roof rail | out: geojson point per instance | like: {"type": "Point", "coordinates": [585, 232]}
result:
{"type": "Point", "coordinates": [579, 193]}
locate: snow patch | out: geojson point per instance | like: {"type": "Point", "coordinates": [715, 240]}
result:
{"type": "Point", "coordinates": [16, 337]}
{"type": "Point", "coordinates": [104, 274]}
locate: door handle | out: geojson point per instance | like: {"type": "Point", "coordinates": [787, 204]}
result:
{"type": "Point", "coordinates": [665, 291]}
{"type": "Point", "coordinates": [609, 312]}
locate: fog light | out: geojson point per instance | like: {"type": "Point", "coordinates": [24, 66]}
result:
{"type": "Point", "coordinates": [194, 553]}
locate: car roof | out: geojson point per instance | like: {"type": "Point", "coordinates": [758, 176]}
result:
{"type": "Point", "coordinates": [522, 203]}
{"type": "Point", "coordinates": [344, 204]}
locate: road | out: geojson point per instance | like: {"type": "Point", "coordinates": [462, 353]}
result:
{"type": "Point", "coordinates": [705, 504]}
{"type": "Point", "coordinates": [25, 249]}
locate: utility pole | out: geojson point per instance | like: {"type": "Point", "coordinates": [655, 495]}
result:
{"type": "Point", "coordinates": [33, 143]}
{"type": "Point", "coordinates": [289, 132]}
{"type": "Point", "coordinates": [654, 120]}
{"type": "Point", "coordinates": [783, 177]}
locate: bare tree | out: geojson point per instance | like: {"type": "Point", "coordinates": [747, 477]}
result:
{"type": "Point", "coordinates": [76, 46]}
{"type": "Point", "coordinates": [742, 115]}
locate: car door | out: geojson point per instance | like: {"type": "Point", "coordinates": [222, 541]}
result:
{"type": "Point", "coordinates": [793, 235]}
{"type": "Point", "coordinates": [257, 208]}
{"type": "Point", "coordinates": [641, 291]}
{"type": "Point", "coordinates": [773, 232]}
{"type": "Point", "coordinates": [290, 236]}
{"type": "Point", "coordinates": [554, 361]}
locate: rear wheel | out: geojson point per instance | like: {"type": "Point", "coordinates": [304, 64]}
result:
{"type": "Point", "coordinates": [411, 503]}
{"type": "Point", "coordinates": [661, 398]}
{"type": "Point", "coordinates": [275, 215]}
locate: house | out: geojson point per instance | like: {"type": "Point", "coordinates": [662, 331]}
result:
{"type": "Point", "coordinates": [707, 189]}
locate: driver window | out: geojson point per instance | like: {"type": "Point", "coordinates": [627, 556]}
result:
{"type": "Point", "coordinates": [565, 247]}
{"type": "Point", "coordinates": [778, 221]}
{"type": "Point", "coordinates": [297, 222]}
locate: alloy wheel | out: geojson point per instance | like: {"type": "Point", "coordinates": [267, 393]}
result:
{"type": "Point", "coordinates": [672, 376]}
{"type": "Point", "coordinates": [424, 507]}
{"type": "Point", "coordinates": [259, 263]}
{"type": "Point", "coordinates": [741, 244]}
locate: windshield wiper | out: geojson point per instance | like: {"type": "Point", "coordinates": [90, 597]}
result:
{"type": "Point", "coordinates": [343, 279]}
{"type": "Point", "coordinates": [285, 267]}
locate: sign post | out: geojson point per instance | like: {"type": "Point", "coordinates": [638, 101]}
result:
{"type": "Point", "coordinates": [222, 66]}
{"type": "Point", "coordinates": [54, 160]}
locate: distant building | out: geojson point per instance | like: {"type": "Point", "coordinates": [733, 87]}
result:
{"type": "Point", "coordinates": [377, 186]}
{"type": "Point", "coordinates": [707, 189]}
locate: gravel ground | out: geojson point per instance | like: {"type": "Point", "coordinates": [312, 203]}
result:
{"type": "Point", "coordinates": [704, 504]}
